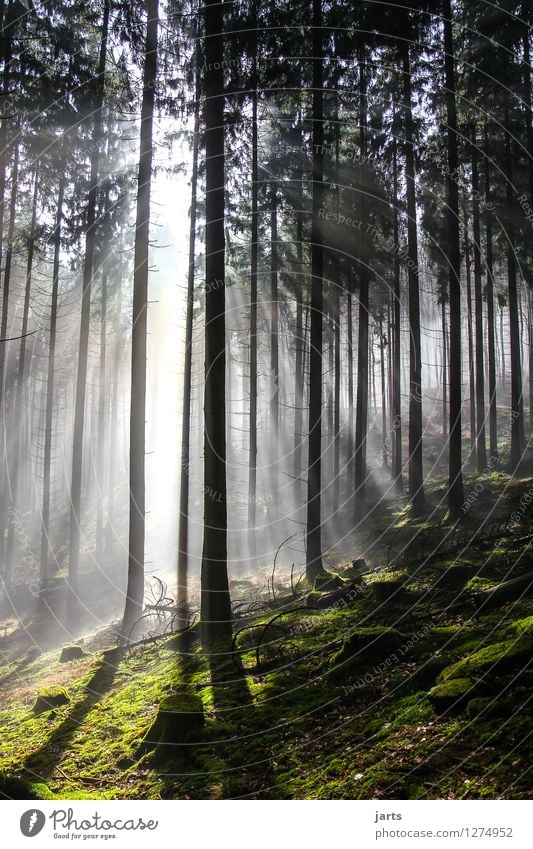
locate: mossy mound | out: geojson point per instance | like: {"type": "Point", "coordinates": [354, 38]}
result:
{"type": "Point", "coordinates": [388, 584]}
{"type": "Point", "coordinates": [521, 627]}
{"type": "Point", "coordinates": [478, 585]}
{"type": "Point", "coordinates": [327, 583]}
{"type": "Point", "coordinates": [16, 788]}
{"type": "Point", "coordinates": [49, 698]}
{"type": "Point", "coordinates": [378, 641]}
{"type": "Point", "coordinates": [451, 695]}
{"type": "Point", "coordinates": [497, 658]}
{"type": "Point", "coordinates": [486, 708]}
{"type": "Point", "coordinates": [69, 653]}
{"type": "Point", "coordinates": [180, 715]}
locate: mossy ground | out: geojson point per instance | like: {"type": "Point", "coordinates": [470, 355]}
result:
{"type": "Point", "coordinates": [288, 728]}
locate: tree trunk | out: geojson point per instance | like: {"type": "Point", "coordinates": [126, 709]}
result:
{"type": "Point", "coordinates": [491, 319]}
{"type": "Point", "coordinates": [455, 482]}
{"type": "Point", "coordinates": [183, 528]}
{"type": "Point", "coordinates": [481, 448]}
{"type": "Point", "coordinates": [314, 565]}
{"type": "Point", "coordinates": [252, 459]}
{"type": "Point", "coordinates": [101, 440]}
{"type": "Point", "coordinates": [416, 472]}
{"type": "Point", "coordinates": [4, 497]}
{"type": "Point", "coordinates": [517, 421]}
{"type": "Point", "coordinates": [135, 588]}
{"type": "Point", "coordinates": [49, 411]}
{"type": "Point", "coordinates": [18, 401]}
{"type": "Point", "coordinates": [273, 430]}
{"type": "Point", "coordinates": [396, 357]}
{"type": "Point", "coordinates": [444, 366]}
{"type": "Point", "coordinates": [470, 335]}
{"type": "Point", "coordinates": [215, 598]}
{"type": "Point", "coordinates": [361, 411]}
{"type": "Point", "coordinates": [83, 350]}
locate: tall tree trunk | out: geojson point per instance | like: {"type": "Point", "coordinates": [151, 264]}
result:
{"type": "Point", "coordinates": [83, 350]}
{"type": "Point", "coordinates": [491, 319]}
{"type": "Point", "coordinates": [444, 365]}
{"type": "Point", "coordinates": [314, 565]}
{"type": "Point", "coordinates": [517, 413]}
{"type": "Point", "coordinates": [416, 472]}
{"type": "Point", "coordinates": [101, 440]}
{"type": "Point", "coordinates": [4, 497]}
{"type": "Point", "coordinates": [252, 454]}
{"type": "Point", "coordinates": [470, 335]}
{"type": "Point", "coordinates": [183, 528]}
{"type": "Point", "coordinates": [215, 598]}
{"type": "Point", "coordinates": [350, 466]}
{"type": "Point", "coordinates": [455, 482]}
{"type": "Point", "coordinates": [526, 17]}
{"type": "Point", "coordinates": [273, 430]}
{"type": "Point", "coordinates": [396, 356]}
{"type": "Point", "coordinates": [299, 358]}
{"type": "Point", "coordinates": [21, 373]}
{"type": "Point", "coordinates": [49, 411]}
{"type": "Point", "coordinates": [361, 412]}
{"type": "Point", "coordinates": [135, 587]}
{"type": "Point", "coordinates": [481, 448]}
{"type": "Point", "coordinates": [383, 391]}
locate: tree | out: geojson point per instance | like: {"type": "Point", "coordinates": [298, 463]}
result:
{"type": "Point", "coordinates": [215, 608]}
{"type": "Point", "coordinates": [135, 587]}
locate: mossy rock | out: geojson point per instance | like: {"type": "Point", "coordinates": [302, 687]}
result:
{"type": "Point", "coordinates": [50, 697]}
{"type": "Point", "coordinates": [16, 788]}
{"type": "Point", "coordinates": [497, 658]}
{"type": "Point", "coordinates": [521, 627]}
{"type": "Point", "coordinates": [69, 653]}
{"type": "Point", "coordinates": [486, 708]}
{"type": "Point", "coordinates": [178, 718]}
{"type": "Point", "coordinates": [451, 695]}
{"type": "Point", "coordinates": [327, 583]}
{"type": "Point", "coordinates": [478, 585]}
{"type": "Point", "coordinates": [377, 641]}
{"type": "Point", "coordinates": [388, 584]}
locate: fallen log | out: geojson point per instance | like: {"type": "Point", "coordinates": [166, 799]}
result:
{"type": "Point", "coordinates": [506, 591]}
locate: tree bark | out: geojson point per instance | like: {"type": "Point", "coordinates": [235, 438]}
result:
{"type": "Point", "coordinates": [481, 448]}
{"type": "Point", "coordinates": [83, 350]}
{"type": "Point", "coordinates": [416, 472]}
{"type": "Point", "coordinates": [183, 528]}
{"type": "Point", "coordinates": [455, 481]}
{"type": "Point", "coordinates": [314, 565]}
{"type": "Point", "coordinates": [215, 599]}
{"type": "Point", "coordinates": [135, 587]}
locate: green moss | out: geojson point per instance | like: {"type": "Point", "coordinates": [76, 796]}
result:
{"type": "Point", "coordinates": [378, 641]}
{"type": "Point", "coordinates": [497, 658]}
{"type": "Point", "coordinates": [486, 708]}
{"type": "Point", "coordinates": [50, 697]}
{"type": "Point", "coordinates": [451, 695]}
{"type": "Point", "coordinates": [477, 585]}
{"type": "Point", "coordinates": [328, 583]}
{"type": "Point", "coordinates": [15, 788]}
{"type": "Point", "coordinates": [384, 585]}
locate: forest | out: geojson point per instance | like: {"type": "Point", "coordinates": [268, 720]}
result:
{"type": "Point", "coordinates": [266, 399]}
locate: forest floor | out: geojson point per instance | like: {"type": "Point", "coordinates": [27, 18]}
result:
{"type": "Point", "coordinates": [389, 681]}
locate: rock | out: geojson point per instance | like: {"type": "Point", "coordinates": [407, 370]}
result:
{"type": "Point", "coordinates": [50, 697]}
{"type": "Point", "coordinates": [495, 659]}
{"type": "Point", "coordinates": [72, 653]}
{"type": "Point", "coordinates": [377, 641]}
{"type": "Point", "coordinates": [388, 585]}
{"type": "Point", "coordinates": [451, 695]}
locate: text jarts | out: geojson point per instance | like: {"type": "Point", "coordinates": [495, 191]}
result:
{"type": "Point", "coordinates": [388, 816]}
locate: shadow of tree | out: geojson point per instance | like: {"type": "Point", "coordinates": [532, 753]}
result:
{"type": "Point", "coordinates": [42, 762]}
